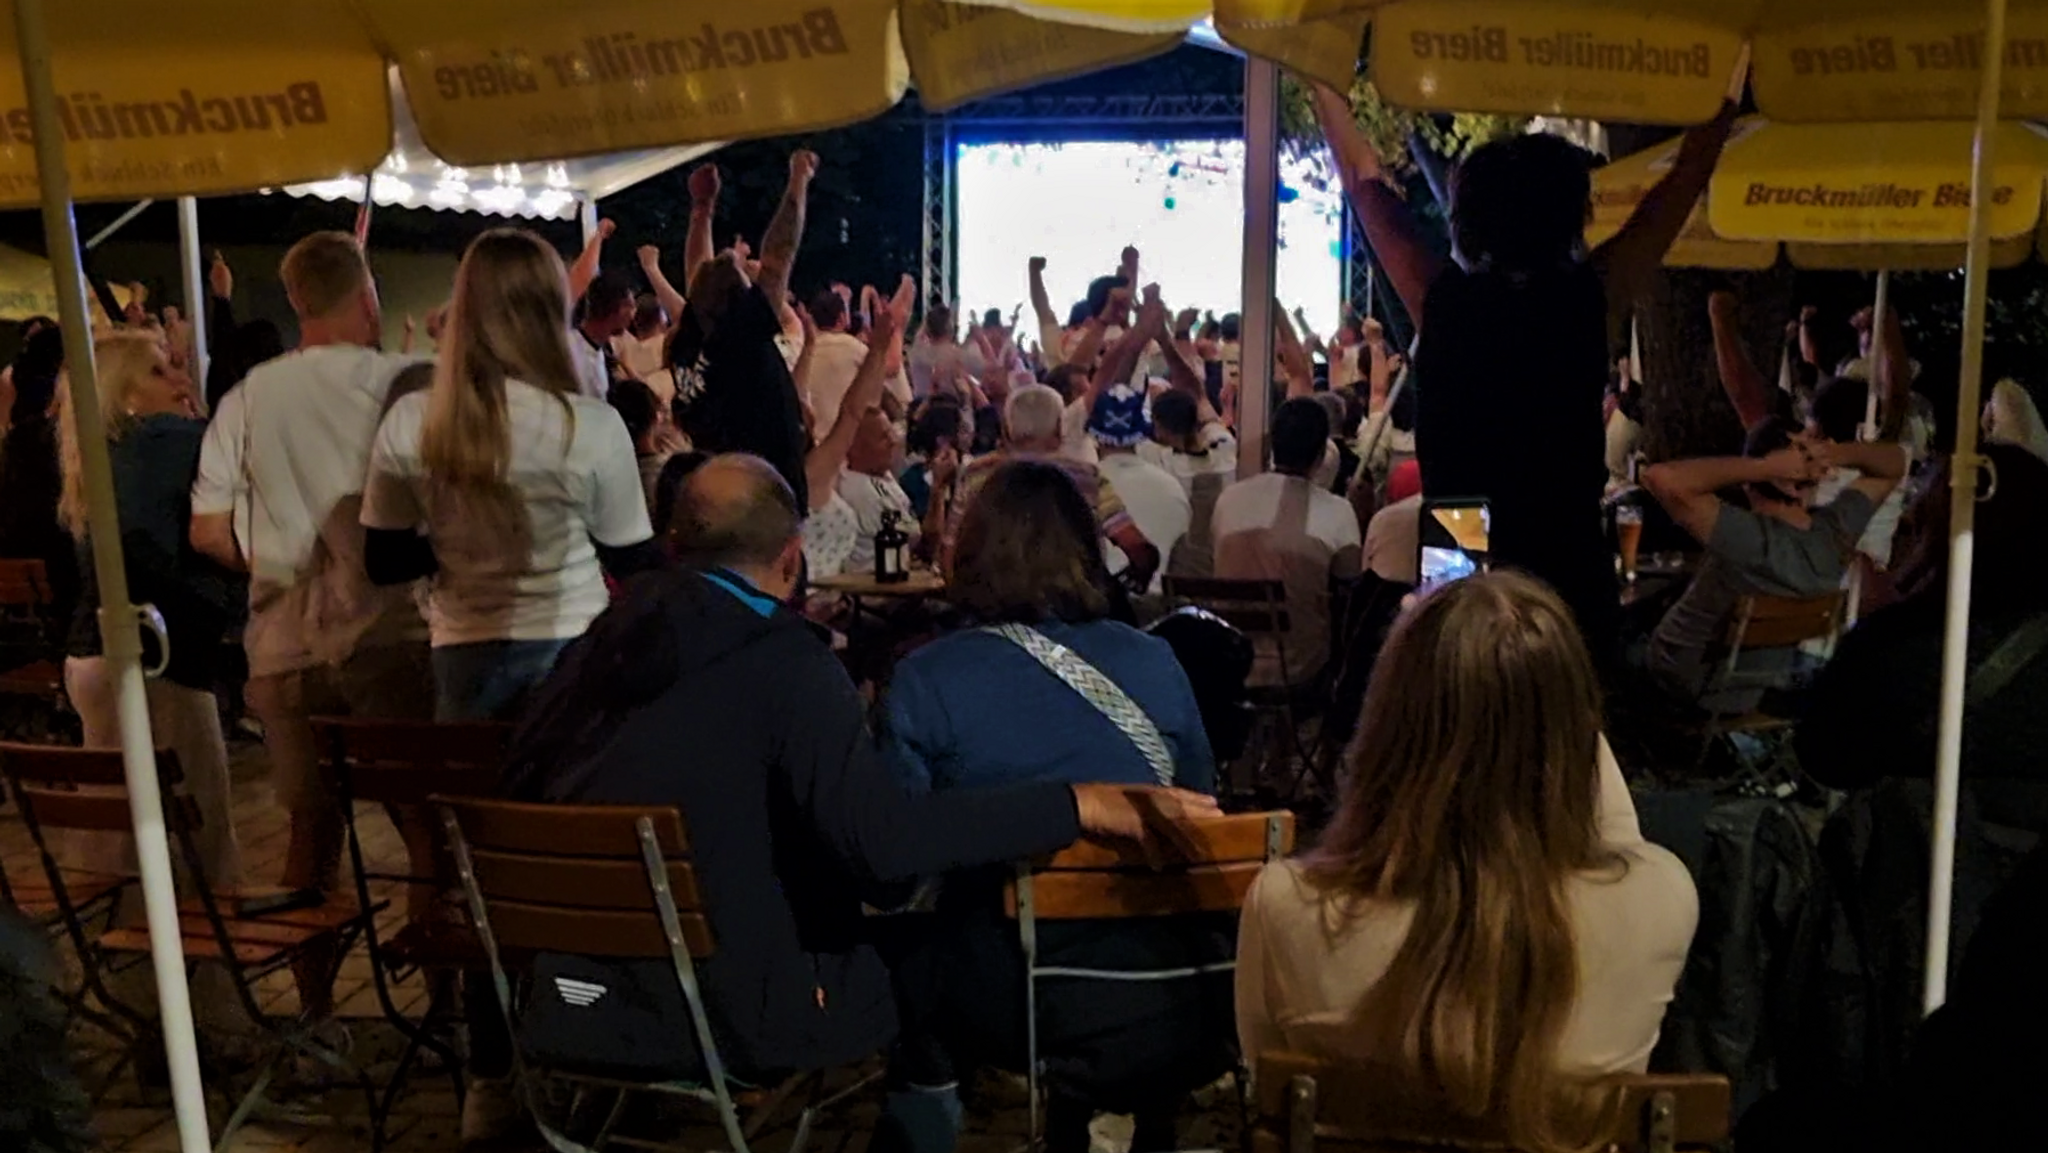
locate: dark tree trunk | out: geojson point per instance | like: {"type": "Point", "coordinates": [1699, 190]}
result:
{"type": "Point", "coordinates": [1685, 411]}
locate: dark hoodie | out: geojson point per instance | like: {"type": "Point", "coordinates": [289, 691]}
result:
{"type": "Point", "coordinates": [696, 690]}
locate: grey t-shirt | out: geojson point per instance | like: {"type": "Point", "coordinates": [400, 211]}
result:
{"type": "Point", "coordinates": [1754, 555]}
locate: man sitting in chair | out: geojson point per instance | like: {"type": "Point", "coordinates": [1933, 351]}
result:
{"type": "Point", "coordinates": [699, 688]}
{"type": "Point", "coordinates": [1780, 545]}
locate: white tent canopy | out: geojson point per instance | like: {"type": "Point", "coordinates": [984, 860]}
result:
{"type": "Point", "coordinates": [413, 177]}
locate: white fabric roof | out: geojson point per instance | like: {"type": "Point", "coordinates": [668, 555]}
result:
{"type": "Point", "coordinates": [413, 177]}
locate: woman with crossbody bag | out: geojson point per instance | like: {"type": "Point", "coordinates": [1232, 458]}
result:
{"type": "Point", "coordinates": [1047, 685]}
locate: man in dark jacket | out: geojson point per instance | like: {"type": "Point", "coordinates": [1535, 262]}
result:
{"type": "Point", "coordinates": [699, 689]}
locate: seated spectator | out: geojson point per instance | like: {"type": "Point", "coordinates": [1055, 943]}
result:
{"type": "Point", "coordinates": [1031, 431]}
{"type": "Point", "coordinates": [1188, 438]}
{"type": "Point", "coordinates": [648, 423]}
{"type": "Point", "coordinates": [1483, 922]}
{"type": "Point", "coordinates": [1872, 712]}
{"type": "Point", "coordinates": [1393, 538]}
{"type": "Point", "coordinates": [1282, 526]}
{"type": "Point", "coordinates": [832, 531]}
{"type": "Point", "coordinates": [1156, 500]}
{"type": "Point", "coordinates": [986, 707]}
{"type": "Point", "coordinates": [2011, 417]}
{"type": "Point", "coordinates": [870, 490]}
{"type": "Point", "coordinates": [1778, 546]}
{"type": "Point", "coordinates": [793, 820]}
{"type": "Point", "coordinates": [941, 435]}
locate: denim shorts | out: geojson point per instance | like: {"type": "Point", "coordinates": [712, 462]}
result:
{"type": "Point", "coordinates": [489, 680]}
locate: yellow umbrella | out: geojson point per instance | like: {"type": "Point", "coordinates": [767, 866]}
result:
{"type": "Point", "coordinates": [1865, 198]}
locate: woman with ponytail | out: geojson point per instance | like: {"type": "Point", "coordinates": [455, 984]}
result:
{"type": "Point", "coordinates": [515, 493]}
{"type": "Point", "coordinates": [1483, 923]}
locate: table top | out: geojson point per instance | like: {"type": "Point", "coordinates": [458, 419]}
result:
{"type": "Point", "coordinates": [922, 582]}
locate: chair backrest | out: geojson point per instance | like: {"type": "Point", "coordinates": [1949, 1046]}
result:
{"type": "Point", "coordinates": [1302, 1105]}
{"type": "Point", "coordinates": [578, 878]}
{"type": "Point", "coordinates": [1195, 867]}
{"type": "Point", "coordinates": [1767, 622]}
{"type": "Point", "coordinates": [406, 762]}
{"type": "Point", "coordinates": [24, 585]}
{"type": "Point", "coordinates": [46, 782]}
{"type": "Point", "coordinates": [1256, 607]}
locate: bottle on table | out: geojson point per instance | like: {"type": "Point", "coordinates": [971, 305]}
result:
{"type": "Point", "coordinates": [892, 550]}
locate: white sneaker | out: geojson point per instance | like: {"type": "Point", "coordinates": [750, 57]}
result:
{"type": "Point", "coordinates": [491, 1111]}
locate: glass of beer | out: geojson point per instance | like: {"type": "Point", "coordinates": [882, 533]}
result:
{"type": "Point", "coordinates": [1628, 534]}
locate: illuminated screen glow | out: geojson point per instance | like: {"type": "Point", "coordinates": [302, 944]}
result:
{"type": "Point", "coordinates": [1180, 202]}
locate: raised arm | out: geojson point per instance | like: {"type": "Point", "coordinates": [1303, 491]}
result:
{"type": "Point", "coordinates": [800, 372]}
{"type": "Point", "coordinates": [1122, 359]}
{"type": "Point", "coordinates": [1893, 378]}
{"type": "Point", "coordinates": [828, 457]}
{"type": "Point", "coordinates": [786, 230]}
{"type": "Point", "coordinates": [1746, 387]}
{"type": "Point", "coordinates": [1390, 226]}
{"type": "Point", "coordinates": [1301, 374]}
{"type": "Point", "coordinates": [1882, 463]}
{"type": "Point", "coordinates": [1687, 488]}
{"type": "Point", "coordinates": [671, 300]}
{"type": "Point", "coordinates": [1182, 374]}
{"type": "Point", "coordinates": [697, 251]}
{"type": "Point", "coordinates": [1630, 257]}
{"type": "Point", "coordinates": [590, 260]}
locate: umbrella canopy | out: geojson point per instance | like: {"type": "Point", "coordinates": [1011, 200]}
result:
{"type": "Point", "coordinates": [1849, 197]}
{"type": "Point", "coordinates": [1666, 61]}
{"type": "Point", "coordinates": [413, 177]}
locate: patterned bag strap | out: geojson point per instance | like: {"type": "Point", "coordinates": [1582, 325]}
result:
{"type": "Point", "coordinates": [1098, 690]}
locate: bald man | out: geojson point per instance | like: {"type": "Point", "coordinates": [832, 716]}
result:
{"type": "Point", "coordinates": [700, 689]}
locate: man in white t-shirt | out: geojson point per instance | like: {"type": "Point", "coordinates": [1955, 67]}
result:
{"type": "Point", "coordinates": [1282, 526]}
{"type": "Point", "coordinates": [278, 492]}
{"type": "Point", "coordinates": [835, 361]}
{"type": "Point", "coordinates": [1155, 499]}
{"type": "Point", "coordinates": [869, 487]}
{"type": "Point", "coordinates": [608, 311]}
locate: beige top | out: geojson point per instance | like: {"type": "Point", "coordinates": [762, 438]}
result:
{"type": "Point", "coordinates": [1303, 967]}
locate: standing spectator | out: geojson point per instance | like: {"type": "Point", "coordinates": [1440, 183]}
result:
{"type": "Point", "coordinates": [647, 423]}
{"type": "Point", "coordinates": [31, 476]}
{"type": "Point", "coordinates": [1512, 355]}
{"type": "Point", "coordinates": [149, 410]}
{"type": "Point", "coordinates": [525, 489]}
{"type": "Point", "coordinates": [1283, 526]}
{"type": "Point", "coordinates": [608, 313]}
{"type": "Point", "coordinates": [734, 392]}
{"type": "Point", "coordinates": [278, 492]}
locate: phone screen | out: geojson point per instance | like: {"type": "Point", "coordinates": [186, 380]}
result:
{"type": "Point", "coordinates": [1453, 539]}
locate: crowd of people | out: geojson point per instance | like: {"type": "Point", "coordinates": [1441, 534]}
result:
{"type": "Point", "coordinates": [598, 512]}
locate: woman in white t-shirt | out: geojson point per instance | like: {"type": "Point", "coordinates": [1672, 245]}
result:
{"type": "Point", "coordinates": [515, 493]}
{"type": "Point", "coordinates": [1483, 923]}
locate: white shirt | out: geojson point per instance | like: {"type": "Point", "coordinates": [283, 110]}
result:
{"type": "Point", "coordinates": [1155, 498]}
{"type": "Point", "coordinates": [591, 373]}
{"type": "Point", "coordinates": [1219, 455]}
{"type": "Point", "coordinates": [829, 534]}
{"type": "Point", "coordinates": [286, 456]}
{"type": "Point", "coordinates": [517, 562]}
{"type": "Point", "coordinates": [868, 497]}
{"type": "Point", "coordinates": [1075, 441]}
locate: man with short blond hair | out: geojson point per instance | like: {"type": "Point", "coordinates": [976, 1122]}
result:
{"type": "Point", "coordinates": [278, 494]}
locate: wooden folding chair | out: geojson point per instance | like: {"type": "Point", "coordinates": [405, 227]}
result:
{"type": "Point", "coordinates": [86, 789]}
{"type": "Point", "coordinates": [1258, 608]}
{"type": "Point", "coordinates": [31, 663]}
{"type": "Point", "coordinates": [606, 882]}
{"type": "Point", "coordinates": [1762, 622]}
{"type": "Point", "coordinates": [1201, 867]}
{"type": "Point", "coordinates": [1303, 1106]}
{"type": "Point", "coordinates": [400, 764]}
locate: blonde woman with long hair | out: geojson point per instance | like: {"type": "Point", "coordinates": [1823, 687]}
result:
{"type": "Point", "coordinates": [1482, 923]}
{"type": "Point", "coordinates": [148, 408]}
{"type": "Point", "coordinates": [502, 482]}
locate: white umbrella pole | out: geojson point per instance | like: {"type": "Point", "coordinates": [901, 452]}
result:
{"type": "Point", "coordinates": [1955, 655]}
{"type": "Point", "coordinates": [1879, 312]}
{"type": "Point", "coordinates": [121, 638]}
{"type": "Point", "coordinates": [192, 262]}
{"type": "Point", "coordinates": [1261, 239]}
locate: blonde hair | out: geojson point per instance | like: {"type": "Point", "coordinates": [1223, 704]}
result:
{"type": "Point", "coordinates": [1473, 797]}
{"type": "Point", "coordinates": [509, 320]}
{"type": "Point", "coordinates": [122, 361]}
{"type": "Point", "coordinates": [323, 272]}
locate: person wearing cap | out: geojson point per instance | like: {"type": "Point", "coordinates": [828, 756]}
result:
{"type": "Point", "coordinates": [1156, 500]}
{"type": "Point", "coordinates": [1393, 536]}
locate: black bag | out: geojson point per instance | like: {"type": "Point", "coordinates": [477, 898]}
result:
{"type": "Point", "coordinates": [621, 1019]}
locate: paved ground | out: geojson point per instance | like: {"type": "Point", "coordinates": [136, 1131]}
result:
{"type": "Point", "coordinates": [316, 1120]}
